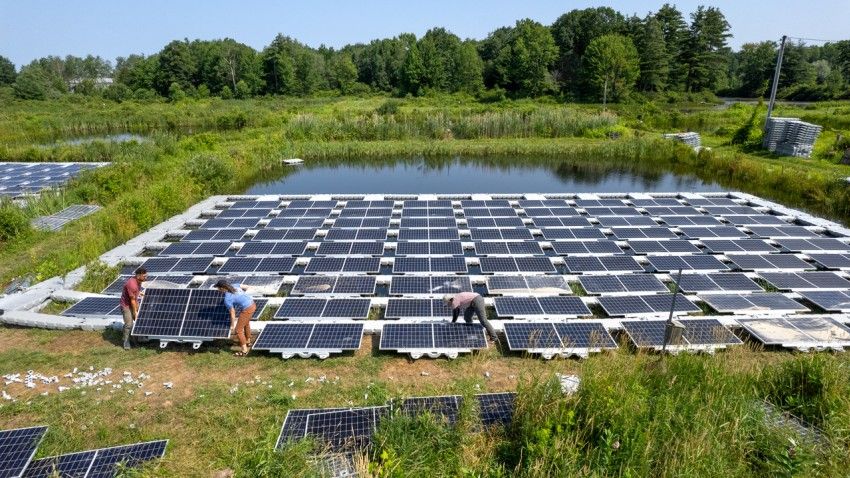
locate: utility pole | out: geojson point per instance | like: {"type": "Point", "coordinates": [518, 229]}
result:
{"type": "Point", "coordinates": [775, 84]}
{"type": "Point", "coordinates": [669, 326]}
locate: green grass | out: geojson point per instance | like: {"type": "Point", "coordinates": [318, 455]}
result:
{"type": "Point", "coordinates": [634, 414]}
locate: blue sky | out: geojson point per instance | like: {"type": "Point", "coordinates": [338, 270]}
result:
{"type": "Point", "coordinates": [34, 28]}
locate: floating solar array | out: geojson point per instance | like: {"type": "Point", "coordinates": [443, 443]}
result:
{"type": "Point", "coordinates": [339, 257]}
{"type": "Point", "coordinates": [21, 179]}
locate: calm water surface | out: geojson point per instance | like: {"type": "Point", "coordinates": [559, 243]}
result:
{"type": "Point", "coordinates": [472, 176]}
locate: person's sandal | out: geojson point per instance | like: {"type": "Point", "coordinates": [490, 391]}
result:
{"type": "Point", "coordinates": [240, 354]}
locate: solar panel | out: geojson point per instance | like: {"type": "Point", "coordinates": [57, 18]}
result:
{"type": "Point", "coordinates": [406, 285]}
{"type": "Point", "coordinates": [701, 220]}
{"type": "Point", "coordinates": [697, 262]}
{"type": "Point", "coordinates": [672, 246]}
{"type": "Point", "coordinates": [769, 262]}
{"type": "Point", "coordinates": [406, 336]}
{"type": "Point", "coordinates": [295, 423]}
{"type": "Point", "coordinates": [625, 233]}
{"type": "Point", "coordinates": [586, 247]}
{"type": "Point", "coordinates": [17, 447]}
{"type": "Point", "coordinates": [813, 245]}
{"type": "Point", "coordinates": [563, 306]}
{"type": "Point", "coordinates": [721, 246]}
{"type": "Point", "coordinates": [346, 309]}
{"type": "Point", "coordinates": [829, 300]}
{"type": "Point", "coordinates": [496, 408]}
{"type": "Point", "coordinates": [325, 264]}
{"type": "Point", "coordinates": [408, 308]}
{"type": "Point", "coordinates": [749, 303]}
{"type": "Point", "coordinates": [309, 338]}
{"type": "Point", "coordinates": [117, 286]}
{"type": "Point", "coordinates": [100, 463]}
{"type": "Point", "coordinates": [458, 336]}
{"type": "Point", "coordinates": [449, 248]}
{"type": "Point", "coordinates": [648, 333]}
{"type": "Point", "coordinates": [645, 304]}
{"type": "Point", "coordinates": [517, 307]}
{"type": "Point", "coordinates": [799, 332]}
{"type": "Point", "coordinates": [723, 282]}
{"type": "Point", "coordinates": [534, 264]}
{"type": "Point", "coordinates": [531, 336]}
{"type": "Point", "coordinates": [806, 280]}
{"type": "Point", "coordinates": [94, 307]}
{"type": "Point", "coordinates": [699, 232]}
{"type": "Point", "coordinates": [626, 221]}
{"type": "Point", "coordinates": [782, 231]}
{"type": "Point", "coordinates": [580, 233]}
{"type": "Point", "coordinates": [708, 332]}
{"type": "Point", "coordinates": [748, 220]}
{"type": "Point", "coordinates": [832, 261]}
{"type": "Point", "coordinates": [602, 264]}
{"type": "Point", "coordinates": [362, 264]}
{"type": "Point", "coordinates": [355, 285]}
{"type": "Point", "coordinates": [629, 283]}
{"type": "Point", "coordinates": [411, 264]}
{"type": "Point", "coordinates": [446, 407]}
{"type": "Point", "coordinates": [584, 334]}
{"type": "Point", "coordinates": [346, 430]}
{"type": "Point", "coordinates": [296, 308]}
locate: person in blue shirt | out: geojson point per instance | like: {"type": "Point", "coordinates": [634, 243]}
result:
{"type": "Point", "coordinates": [241, 308]}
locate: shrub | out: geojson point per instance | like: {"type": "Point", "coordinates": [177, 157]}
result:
{"type": "Point", "coordinates": [808, 386]}
{"type": "Point", "coordinates": [210, 172]}
{"type": "Point", "coordinates": [14, 222]}
{"type": "Point", "coordinates": [389, 107]}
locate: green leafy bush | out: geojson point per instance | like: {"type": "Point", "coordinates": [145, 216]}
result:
{"type": "Point", "coordinates": [14, 222]}
{"type": "Point", "coordinates": [211, 172]}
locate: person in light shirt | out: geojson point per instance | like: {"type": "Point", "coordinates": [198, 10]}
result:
{"type": "Point", "coordinates": [470, 303]}
{"type": "Point", "coordinates": [241, 308]}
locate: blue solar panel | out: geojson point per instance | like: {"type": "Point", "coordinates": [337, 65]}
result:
{"type": "Point", "coordinates": [496, 408]}
{"type": "Point", "coordinates": [101, 463]}
{"type": "Point", "coordinates": [406, 336]}
{"type": "Point", "coordinates": [17, 447]}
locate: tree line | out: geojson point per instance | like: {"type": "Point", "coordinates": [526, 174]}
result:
{"type": "Point", "coordinates": [586, 55]}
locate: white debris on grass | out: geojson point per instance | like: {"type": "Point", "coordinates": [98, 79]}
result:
{"type": "Point", "coordinates": [569, 383]}
{"type": "Point", "coordinates": [76, 379]}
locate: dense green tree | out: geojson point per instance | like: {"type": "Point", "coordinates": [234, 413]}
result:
{"type": "Point", "coordinates": [469, 74]}
{"type": "Point", "coordinates": [7, 71]}
{"type": "Point", "coordinates": [524, 62]}
{"type": "Point", "coordinates": [842, 58]}
{"type": "Point", "coordinates": [705, 52]}
{"type": "Point", "coordinates": [654, 65]}
{"type": "Point", "coordinates": [573, 32]}
{"type": "Point", "coordinates": [177, 65]}
{"type": "Point", "coordinates": [755, 63]}
{"type": "Point", "coordinates": [32, 83]}
{"type": "Point", "coordinates": [343, 72]}
{"type": "Point", "coordinates": [796, 67]}
{"type": "Point", "coordinates": [612, 65]}
{"type": "Point", "coordinates": [488, 50]}
{"type": "Point", "coordinates": [675, 31]}
{"type": "Point", "coordinates": [137, 71]}
{"type": "Point", "coordinates": [412, 71]}
{"type": "Point", "coordinates": [279, 66]}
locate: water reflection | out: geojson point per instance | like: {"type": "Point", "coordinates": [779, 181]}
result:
{"type": "Point", "coordinates": [475, 175]}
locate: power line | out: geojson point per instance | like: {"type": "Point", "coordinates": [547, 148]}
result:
{"type": "Point", "coordinates": [815, 39]}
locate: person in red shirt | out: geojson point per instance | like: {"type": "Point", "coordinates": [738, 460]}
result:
{"type": "Point", "coordinates": [130, 297]}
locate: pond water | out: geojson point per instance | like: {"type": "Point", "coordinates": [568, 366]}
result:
{"type": "Point", "coordinates": [465, 176]}
{"type": "Point", "coordinates": [112, 138]}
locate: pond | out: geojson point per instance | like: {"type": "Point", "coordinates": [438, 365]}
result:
{"type": "Point", "coordinates": [467, 176]}
{"type": "Point", "coordinates": [113, 138]}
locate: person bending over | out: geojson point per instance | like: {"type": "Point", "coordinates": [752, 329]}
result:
{"type": "Point", "coordinates": [241, 308]}
{"type": "Point", "coordinates": [470, 303]}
